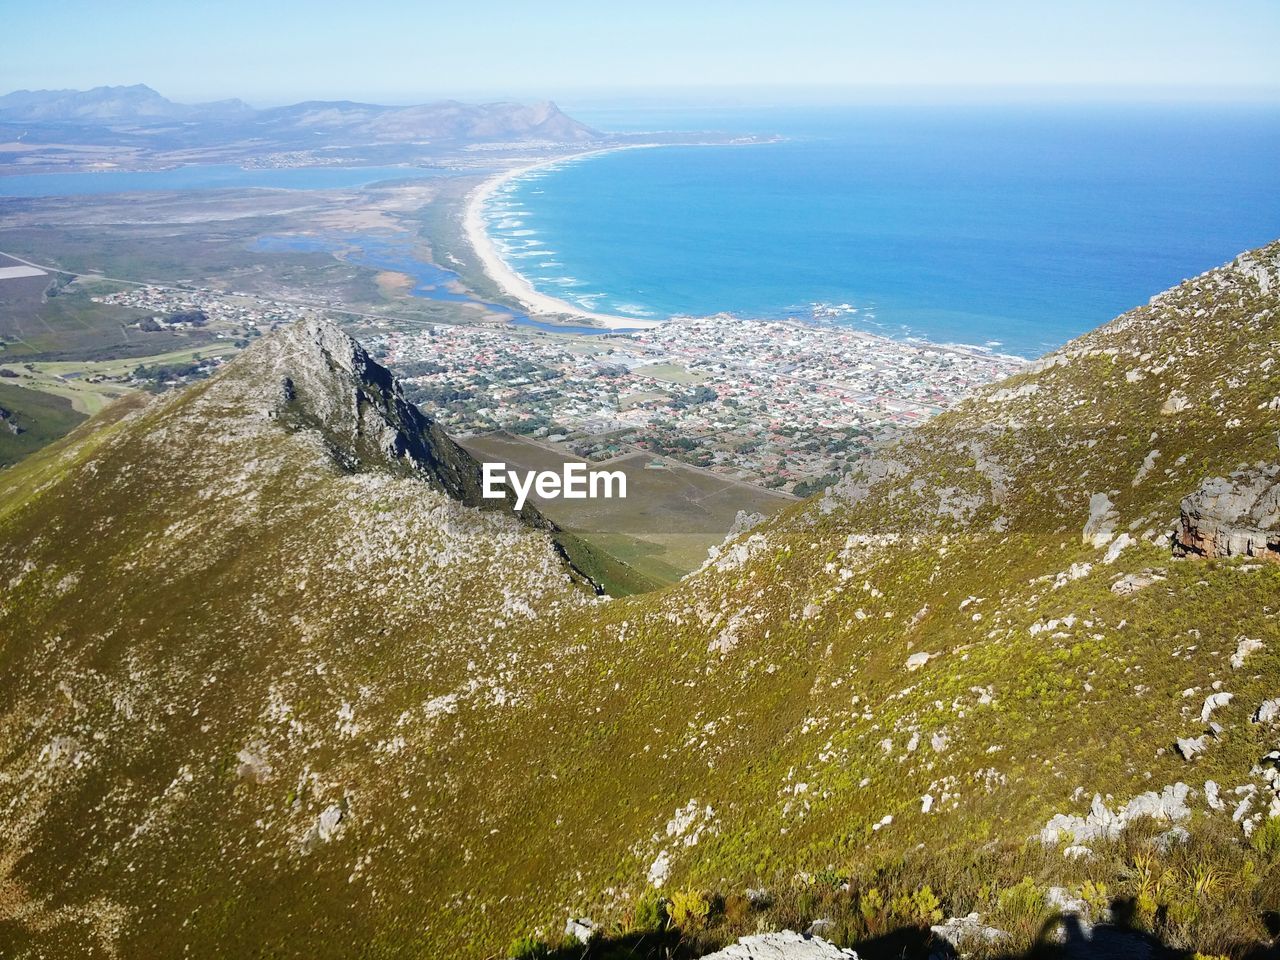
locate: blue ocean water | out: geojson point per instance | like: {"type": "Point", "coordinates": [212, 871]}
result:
{"type": "Point", "coordinates": [1017, 227]}
{"type": "Point", "coordinates": [201, 177]}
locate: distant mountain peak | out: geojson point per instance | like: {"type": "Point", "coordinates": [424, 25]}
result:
{"type": "Point", "coordinates": [346, 120]}
{"type": "Point", "coordinates": [313, 376]}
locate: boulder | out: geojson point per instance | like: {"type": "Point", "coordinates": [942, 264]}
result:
{"type": "Point", "coordinates": [918, 660]}
{"type": "Point", "coordinates": [1236, 516]}
{"type": "Point", "coordinates": [1214, 701]}
{"type": "Point", "coordinates": [1131, 583]}
{"type": "Point", "coordinates": [968, 932]}
{"type": "Point", "coordinates": [1102, 521]}
{"type": "Point", "coordinates": [1246, 647]}
{"type": "Point", "coordinates": [1190, 748]}
{"type": "Point", "coordinates": [580, 929]}
{"type": "Point", "coordinates": [1268, 711]}
{"type": "Point", "coordinates": [786, 945]}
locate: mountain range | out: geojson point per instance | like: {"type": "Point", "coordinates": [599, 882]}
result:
{"type": "Point", "coordinates": [272, 684]}
{"type": "Point", "coordinates": [340, 121]}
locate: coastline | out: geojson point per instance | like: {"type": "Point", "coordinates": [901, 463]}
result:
{"type": "Point", "coordinates": [544, 306]}
{"type": "Point", "coordinates": [512, 283]}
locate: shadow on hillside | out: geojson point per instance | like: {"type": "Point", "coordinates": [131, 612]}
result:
{"type": "Point", "coordinates": [1061, 938]}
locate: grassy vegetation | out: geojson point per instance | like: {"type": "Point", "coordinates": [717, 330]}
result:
{"type": "Point", "coordinates": [1184, 901]}
{"type": "Point", "coordinates": [671, 516]}
{"type": "Point", "coordinates": [596, 558]}
{"type": "Point", "coordinates": [90, 385]}
{"type": "Point", "coordinates": [39, 418]}
{"type": "Point", "coordinates": [670, 372]}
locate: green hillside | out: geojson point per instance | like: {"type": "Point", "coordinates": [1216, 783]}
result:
{"type": "Point", "coordinates": [29, 420]}
{"type": "Point", "coordinates": [268, 689]}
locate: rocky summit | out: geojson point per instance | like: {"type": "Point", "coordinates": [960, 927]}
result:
{"type": "Point", "coordinates": [273, 683]}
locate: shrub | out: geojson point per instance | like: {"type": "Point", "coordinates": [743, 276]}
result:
{"type": "Point", "coordinates": [528, 948]}
{"type": "Point", "coordinates": [689, 909]}
{"type": "Point", "coordinates": [1097, 897]}
{"type": "Point", "coordinates": [1266, 839]}
{"type": "Point", "coordinates": [829, 878]}
{"type": "Point", "coordinates": [737, 909]}
{"type": "Point", "coordinates": [1022, 909]}
{"type": "Point", "coordinates": [648, 914]}
{"type": "Point", "coordinates": [921, 908]}
{"type": "Point", "coordinates": [871, 906]}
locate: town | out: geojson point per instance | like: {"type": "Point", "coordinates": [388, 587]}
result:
{"type": "Point", "coordinates": [787, 405]}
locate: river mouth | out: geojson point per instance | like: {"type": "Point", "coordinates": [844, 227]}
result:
{"type": "Point", "coordinates": [426, 280]}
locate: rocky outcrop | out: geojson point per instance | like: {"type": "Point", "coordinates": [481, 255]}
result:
{"type": "Point", "coordinates": [1236, 516]}
{"type": "Point", "coordinates": [787, 945]}
{"type": "Point", "coordinates": [324, 381]}
{"type": "Point", "coordinates": [1101, 524]}
{"type": "Point", "coordinates": [968, 933]}
{"type": "Point", "coordinates": [1102, 822]}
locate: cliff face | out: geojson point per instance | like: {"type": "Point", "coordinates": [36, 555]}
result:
{"type": "Point", "coordinates": [254, 627]}
{"type": "Point", "coordinates": [314, 377]}
{"type": "Point", "coordinates": [1236, 516]}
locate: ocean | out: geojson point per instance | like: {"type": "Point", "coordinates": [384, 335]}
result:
{"type": "Point", "coordinates": [1014, 227]}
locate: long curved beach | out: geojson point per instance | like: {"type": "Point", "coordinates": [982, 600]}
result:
{"type": "Point", "coordinates": [512, 283]}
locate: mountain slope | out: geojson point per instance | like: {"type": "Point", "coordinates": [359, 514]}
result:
{"type": "Point", "coordinates": [373, 716]}
{"type": "Point", "coordinates": [185, 567]}
{"type": "Point", "coordinates": [137, 103]}
{"type": "Point", "coordinates": [445, 120]}
{"type": "Point", "coordinates": [340, 121]}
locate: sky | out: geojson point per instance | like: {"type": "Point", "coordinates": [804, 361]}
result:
{"type": "Point", "coordinates": [399, 51]}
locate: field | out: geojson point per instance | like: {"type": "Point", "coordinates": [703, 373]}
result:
{"type": "Point", "coordinates": [40, 418]}
{"type": "Point", "coordinates": [672, 514]}
{"type": "Point", "coordinates": [88, 385]}
{"type": "Point", "coordinates": [670, 372]}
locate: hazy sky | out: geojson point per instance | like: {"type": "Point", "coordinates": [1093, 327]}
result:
{"type": "Point", "coordinates": [272, 52]}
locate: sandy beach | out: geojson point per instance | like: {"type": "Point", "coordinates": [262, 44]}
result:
{"type": "Point", "coordinates": [512, 283]}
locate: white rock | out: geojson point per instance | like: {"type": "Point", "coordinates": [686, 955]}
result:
{"type": "Point", "coordinates": [1102, 521]}
{"type": "Point", "coordinates": [786, 945]}
{"type": "Point", "coordinates": [659, 870]}
{"type": "Point", "coordinates": [1245, 647]}
{"type": "Point", "coordinates": [967, 932]}
{"type": "Point", "coordinates": [1131, 583]}
{"type": "Point", "coordinates": [1211, 796]}
{"type": "Point", "coordinates": [581, 929]}
{"type": "Point", "coordinates": [1060, 900]}
{"type": "Point", "coordinates": [1103, 823]}
{"type": "Point", "coordinates": [1118, 546]}
{"type": "Point", "coordinates": [1192, 747]}
{"type": "Point", "coordinates": [1268, 711]}
{"type": "Point", "coordinates": [1213, 702]}
{"type": "Point", "coordinates": [918, 660]}
{"type": "Point", "coordinates": [325, 828]}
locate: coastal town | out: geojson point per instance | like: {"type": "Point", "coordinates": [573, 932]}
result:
{"type": "Point", "coordinates": [784, 404]}
{"type": "Point", "coordinates": [787, 405]}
